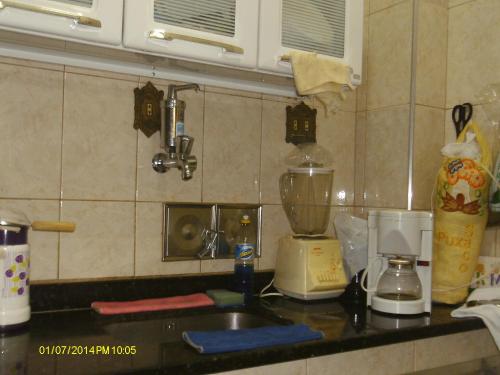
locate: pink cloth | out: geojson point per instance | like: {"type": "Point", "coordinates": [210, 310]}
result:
{"type": "Point", "coordinates": [153, 304]}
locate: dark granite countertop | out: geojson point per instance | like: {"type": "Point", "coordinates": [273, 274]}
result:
{"type": "Point", "coordinates": [155, 338]}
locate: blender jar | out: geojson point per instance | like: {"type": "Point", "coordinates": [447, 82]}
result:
{"type": "Point", "coordinates": [306, 197]}
{"type": "Point", "coordinates": [400, 281]}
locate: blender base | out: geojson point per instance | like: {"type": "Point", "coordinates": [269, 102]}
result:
{"type": "Point", "coordinates": [311, 296]}
{"type": "Point", "coordinates": [398, 307]}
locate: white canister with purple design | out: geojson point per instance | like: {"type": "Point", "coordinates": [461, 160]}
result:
{"type": "Point", "coordinates": [14, 267]}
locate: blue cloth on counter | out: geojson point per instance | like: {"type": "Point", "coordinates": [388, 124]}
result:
{"type": "Point", "coordinates": [208, 342]}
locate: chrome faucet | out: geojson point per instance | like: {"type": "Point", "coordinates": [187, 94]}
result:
{"type": "Point", "coordinates": [176, 144]}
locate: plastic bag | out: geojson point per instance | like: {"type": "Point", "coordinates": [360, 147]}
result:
{"type": "Point", "coordinates": [353, 235]}
{"type": "Point", "coordinates": [461, 213]}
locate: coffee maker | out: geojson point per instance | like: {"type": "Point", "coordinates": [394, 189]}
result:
{"type": "Point", "coordinates": [399, 271]}
{"type": "Point", "coordinates": [308, 264]}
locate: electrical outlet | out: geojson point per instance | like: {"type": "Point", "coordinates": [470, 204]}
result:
{"type": "Point", "coordinates": [300, 124]}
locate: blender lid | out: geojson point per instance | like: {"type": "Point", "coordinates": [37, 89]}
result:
{"type": "Point", "coordinates": [310, 170]}
{"type": "Point", "coordinates": [10, 217]}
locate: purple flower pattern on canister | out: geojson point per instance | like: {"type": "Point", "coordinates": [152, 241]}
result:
{"type": "Point", "coordinates": [15, 274]}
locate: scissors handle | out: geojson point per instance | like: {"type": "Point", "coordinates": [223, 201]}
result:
{"type": "Point", "coordinates": [461, 115]}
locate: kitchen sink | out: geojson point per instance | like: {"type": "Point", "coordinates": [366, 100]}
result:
{"type": "Point", "coordinates": [169, 329]}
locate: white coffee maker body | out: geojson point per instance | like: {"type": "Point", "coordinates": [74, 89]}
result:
{"type": "Point", "coordinates": [399, 233]}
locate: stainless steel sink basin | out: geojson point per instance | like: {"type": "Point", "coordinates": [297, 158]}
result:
{"type": "Point", "coordinates": [170, 329]}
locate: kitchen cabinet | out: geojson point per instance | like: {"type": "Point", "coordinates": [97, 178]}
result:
{"type": "Point", "coordinates": [331, 28]}
{"type": "Point", "coordinates": [220, 31]}
{"type": "Point", "coordinates": [96, 21]}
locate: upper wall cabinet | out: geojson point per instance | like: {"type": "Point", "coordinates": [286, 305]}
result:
{"type": "Point", "coordinates": [332, 28]}
{"type": "Point", "coordinates": [98, 21]}
{"type": "Point", "coordinates": [215, 31]}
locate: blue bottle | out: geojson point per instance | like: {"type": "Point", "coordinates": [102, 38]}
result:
{"type": "Point", "coordinates": [244, 253]}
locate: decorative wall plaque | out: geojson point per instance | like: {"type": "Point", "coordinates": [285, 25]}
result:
{"type": "Point", "coordinates": [147, 109]}
{"type": "Point", "coordinates": [300, 124]}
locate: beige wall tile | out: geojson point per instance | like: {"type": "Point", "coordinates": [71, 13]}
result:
{"type": "Point", "coordinates": [449, 349]}
{"type": "Point", "coordinates": [360, 159]}
{"type": "Point", "coordinates": [488, 246]}
{"type": "Point", "coordinates": [99, 146]}
{"type": "Point", "coordinates": [149, 245]}
{"type": "Point", "coordinates": [431, 53]}
{"type": "Point", "coordinates": [454, 3]}
{"type": "Point", "coordinates": [379, 360]}
{"type": "Point", "coordinates": [473, 51]}
{"type": "Point", "coordinates": [386, 164]}
{"type": "Point", "coordinates": [389, 56]}
{"type": "Point", "coordinates": [217, 265]}
{"type": "Point", "coordinates": [30, 119]}
{"type": "Point", "coordinates": [102, 73]}
{"type": "Point", "coordinates": [362, 90]}
{"type": "Point", "coordinates": [274, 149]}
{"type": "Point", "coordinates": [428, 139]}
{"type": "Point", "coordinates": [154, 186]}
{"type": "Point", "coordinates": [274, 226]}
{"type": "Point", "coordinates": [231, 149]}
{"type": "Point", "coordinates": [164, 83]}
{"type": "Point", "coordinates": [377, 5]}
{"type": "Point", "coordinates": [103, 243]}
{"type": "Point", "coordinates": [287, 99]}
{"type": "Point", "coordinates": [30, 63]}
{"type": "Point", "coordinates": [336, 133]}
{"type": "Point", "coordinates": [288, 368]}
{"type": "Point", "coordinates": [44, 246]}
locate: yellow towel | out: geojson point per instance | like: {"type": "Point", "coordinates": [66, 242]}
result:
{"type": "Point", "coordinates": [325, 79]}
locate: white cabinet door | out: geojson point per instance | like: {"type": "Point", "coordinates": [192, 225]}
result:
{"type": "Point", "coordinates": [331, 28]}
{"type": "Point", "coordinates": [216, 31]}
{"type": "Point", "coordinates": [97, 21]}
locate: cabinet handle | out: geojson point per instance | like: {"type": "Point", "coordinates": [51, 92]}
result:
{"type": "Point", "coordinates": [81, 20]}
{"type": "Point", "coordinates": [159, 34]}
{"type": "Point", "coordinates": [285, 58]}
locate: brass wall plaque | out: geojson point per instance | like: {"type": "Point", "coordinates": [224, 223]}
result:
{"type": "Point", "coordinates": [300, 124]}
{"type": "Point", "coordinates": [147, 109]}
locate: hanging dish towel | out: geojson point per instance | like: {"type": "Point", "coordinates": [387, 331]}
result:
{"type": "Point", "coordinates": [490, 314]}
{"type": "Point", "coordinates": [326, 79]}
{"type": "Point", "coordinates": [153, 304]}
{"type": "Point", "coordinates": [208, 342]}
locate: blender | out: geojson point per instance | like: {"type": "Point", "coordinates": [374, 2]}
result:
{"type": "Point", "coordinates": [309, 264]}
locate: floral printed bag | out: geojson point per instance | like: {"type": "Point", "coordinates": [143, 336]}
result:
{"type": "Point", "coordinates": [460, 217]}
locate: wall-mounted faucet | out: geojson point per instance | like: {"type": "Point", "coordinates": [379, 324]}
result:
{"type": "Point", "coordinates": [176, 144]}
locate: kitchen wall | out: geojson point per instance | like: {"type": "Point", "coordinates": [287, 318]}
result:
{"type": "Point", "coordinates": [405, 80]}
{"type": "Point", "coordinates": [70, 152]}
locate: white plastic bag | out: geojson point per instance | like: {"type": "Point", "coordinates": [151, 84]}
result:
{"type": "Point", "coordinates": [352, 233]}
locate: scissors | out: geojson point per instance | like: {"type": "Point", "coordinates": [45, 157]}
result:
{"type": "Point", "coordinates": [461, 115]}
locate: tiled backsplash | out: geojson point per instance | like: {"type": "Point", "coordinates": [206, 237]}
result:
{"type": "Point", "coordinates": [70, 152]}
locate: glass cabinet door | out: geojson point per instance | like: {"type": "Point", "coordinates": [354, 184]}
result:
{"type": "Point", "coordinates": [331, 28]}
{"type": "Point", "coordinates": [216, 31]}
